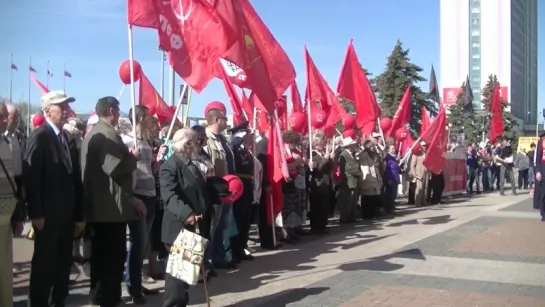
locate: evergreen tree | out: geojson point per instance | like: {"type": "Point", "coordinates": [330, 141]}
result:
{"type": "Point", "coordinates": [469, 128]}
{"type": "Point", "coordinates": [392, 83]}
{"type": "Point", "coordinates": [509, 122]}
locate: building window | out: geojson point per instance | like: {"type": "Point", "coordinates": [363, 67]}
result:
{"type": "Point", "coordinates": [475, 67]}
{"type": "Point", "coordinates": [475, 21]}
{"type": "Point", "coordinates": [475, 10]}
{"type": "Point", "coordinates": [476, 56]}
{"type": "Point", "coordinates": [476, 44]}
{"type": "Point", "coordinates": [475, 32]}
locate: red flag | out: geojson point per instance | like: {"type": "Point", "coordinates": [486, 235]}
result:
{"type": "Point", "coordinates": [496, 110]}
{"type": "Point", "coordinates": [297, 105]}
{"type": "Point", "coordinates": [282, 104]}
{"type": "Point", "coordinates": [436, 139]}
{"type": "Point", "coordinates": [39, 84]}
{"type": "Point", "coordinates": [257, 52]}
{"type": "Point", "coordinates": [354, 86]}
{"type": "Point", "coordinates": [236, 74]}
{"type": "Point", "coordinates": [234, 100]}
{"type": "Point", "coordinates": [44, 89]}
{"type": "Point", "coordinates": [248, 108]}
{"type": "Point", "coordinates": [403, 113]}
{"type": "Point", "coordinates": [424, 119]}
{"type": "Point", "coordinates": [194, 37]}
{"type": "Point", "coordinates": [318, 90]}
{"type": "Point", "coordinates": [149, 97]}
{"type": "Point", "coordinates": [277, 170]}
{"type": "Point", "coordinates": [262, 124]}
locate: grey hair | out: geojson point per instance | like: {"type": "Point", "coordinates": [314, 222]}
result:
{"type": "Point", "coordinates": [318, 137]}
{"type": "Point", "coordinates": [181, 138]}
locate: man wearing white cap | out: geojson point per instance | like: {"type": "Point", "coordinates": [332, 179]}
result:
{"type": "Point", "coordinates": [350, 176]}
{"type": "Point", "coordinates": [54, 194]}
{"type": "Point", "coordinates": [420, 173]}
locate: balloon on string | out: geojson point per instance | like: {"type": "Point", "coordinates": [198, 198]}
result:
{"type": "Point", "coordinates": [235, 187]}
{"type": "Point", "coordinates": [349, 133]}
{"type": "Point", "coordinates": [125, 71]}
{"type": "Point", "coordinates": [38, 120]}
{"type": "Point", "coordinates": [385, 124]}
{"type": "Point", "coordinates": [319, 118]}
{"type": "Point", "coordinates": [297, 121]}
{"type": "Point", "coordinates": [348, 121]}
{"type": "Point", "coordinates": [401, 134]}
{"type": "Point", "coordinates": [215, 105]}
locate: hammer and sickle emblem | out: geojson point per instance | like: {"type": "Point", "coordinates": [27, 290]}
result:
{"type": "Point", "coordinates": [180, 12]}
{"type": "Point", "coordinates": [249, 41]}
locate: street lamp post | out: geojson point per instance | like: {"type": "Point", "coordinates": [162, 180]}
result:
{"type": "Point", "coordinates": [537, 122]}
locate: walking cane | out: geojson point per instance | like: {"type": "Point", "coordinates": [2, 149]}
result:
{"type": "Point", "coordinates": [205, 281]}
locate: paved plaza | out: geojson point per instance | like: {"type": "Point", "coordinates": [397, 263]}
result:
{"type": "Point", "coordinates": [484, 251]}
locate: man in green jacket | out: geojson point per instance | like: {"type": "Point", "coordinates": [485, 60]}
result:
{"type": "Point", "coordinates": [107, 168]}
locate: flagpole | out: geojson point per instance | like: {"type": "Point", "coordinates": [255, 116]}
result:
{"type": "Point", "coordinates": [64, 79]}
{"type": "Point", "coordinates": [11, 80]}
{"type": "Point", "coordinates": [172, 84]}
{"type": "Point", "coordinates": [133, 88]}
{"type": "Point", "coordinates": [47, 75]}
{"type": "Point", "coordinates": [162, 73]}
{"type": "Point", "coordinates": [28, 102]}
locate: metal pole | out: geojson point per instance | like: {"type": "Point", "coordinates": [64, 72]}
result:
{"type": "Point", "coordinates": [172, 81]}
{"type": "Point", "coordinates": [162, 73]}
{"type": "Point", "coordinates": [47, 75]}
{"type": "Point", "coordinates": [11, 80]}
{"type": "Point", "coordinates": [537, 123]}
{"type": "Point", "coordinates": [64, 79]}
{"type": "Point", "coordinates": [28, 102]}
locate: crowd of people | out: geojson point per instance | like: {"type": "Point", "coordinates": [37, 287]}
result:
{"type": "Point", "coordinates": [84, 185]}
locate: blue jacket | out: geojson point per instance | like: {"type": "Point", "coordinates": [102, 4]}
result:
{"type": "Point", "coordinates": [392, 170]}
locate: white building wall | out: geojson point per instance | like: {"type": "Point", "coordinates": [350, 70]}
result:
{"type": "Point", "coordinates": [454, 43]}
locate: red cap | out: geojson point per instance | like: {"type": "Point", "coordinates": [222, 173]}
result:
{"type": "Point", "coordinates": [215, 105]}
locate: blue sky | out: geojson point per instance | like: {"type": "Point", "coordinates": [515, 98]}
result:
{"type": "Point", "coordinates": [91, 37]}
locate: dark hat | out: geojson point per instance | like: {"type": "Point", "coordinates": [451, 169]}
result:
{"type": "Point", "coordinates": [243, 127]}
{"type": "Point", "coordinates": [217, 187]}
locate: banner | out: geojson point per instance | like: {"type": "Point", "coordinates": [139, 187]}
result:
{"type": "Point", "coordinates": [455, 174]}
{"type": "Point", "coordinates": [525, 141]}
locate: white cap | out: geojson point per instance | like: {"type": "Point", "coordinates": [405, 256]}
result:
{"type": "Point", "coordinates": [348, 141]}
{"type": "Point", "coordinates": [55, 97]}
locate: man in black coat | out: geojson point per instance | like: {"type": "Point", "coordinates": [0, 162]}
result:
{"type": "Point", "coordinates": [52, 180]}
{"type": "Point", "coordinates": [539, 169]}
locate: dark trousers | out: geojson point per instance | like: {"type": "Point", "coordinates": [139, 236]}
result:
{"type": "Point", "coordinates": [319, 210]}
{"type": "Point", "coordinates": [175, 291]}
{"type": "Point", "coordinates": [389, 197]}
{"type": "Point", "coordinates": [486, 178]}
{"type": "Point", "coordinates": [242, 213]}
{"type": "Point", "coordinates": [140, 234]}
{"type": "Point", "coordinates": [108, 249]}
{"type": "Point", "coordinates": [436, 188]}
{"type": "Point", "coordinates": [523, 179]}
{"type": "Point", "coordinates": [496, 173]}
{"type": "Point", "coordinates": [370, 205]}
{"type": "Point", "coordinates": [51, 263]}
{"type": "Point", "coordinates": [412, 195]}
{"type": "Point", "coordinates": [265, 229]}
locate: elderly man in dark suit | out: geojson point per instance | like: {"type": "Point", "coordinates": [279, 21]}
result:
{"type": "Point", "coordinates": [52, 180]}
{"type": "Point", "coordinates": [350, 176]}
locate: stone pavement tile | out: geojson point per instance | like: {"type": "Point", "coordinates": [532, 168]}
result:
{"type": "Point", "coordinates": [365, 288]}
{"type": "Point", "coordinates": [510, 237]}
{"type": "Point", "coordinates": [403, 296]}
{"type": "Point", "coordinates": [523, 206]}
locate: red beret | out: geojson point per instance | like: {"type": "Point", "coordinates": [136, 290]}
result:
{"type": "Point", "coordinates": [215, 105]}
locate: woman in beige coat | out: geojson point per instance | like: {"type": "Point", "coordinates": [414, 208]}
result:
{"type": "Point", "coordinates": [371, 181]}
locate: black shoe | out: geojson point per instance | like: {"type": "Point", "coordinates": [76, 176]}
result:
{"type": "Point", "coordinates": [210, 273]}
{"type": "Point", "coordinates": [139, 300]}
{"type": "Point", "coordinates": [147, 291]}
{"type": "Point", "coordinates": [226, 266]}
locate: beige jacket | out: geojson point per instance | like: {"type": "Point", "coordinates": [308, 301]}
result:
{"type": "Point", "coordinates": [371, 181]}
{"type": "Point", "coordinates": [418, 170]}
{"type": "Point", "coordinates": [217, 154]}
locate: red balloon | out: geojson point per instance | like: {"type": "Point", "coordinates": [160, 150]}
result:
{"type": "Point", "coordinates": [319, 118]}
{"type": "Point", "coordinates": [401, 134]}
{"type": "Point", "coordinates": [348, 122]}
{"type": "Point", "coordinates": [349, 133]}
{"type": "Point", "coordinates": [385, 124]}
{"type": "Point", "coordinates": [235, 187]}
{"type": "Point", "coordinates": [215, 105]}
{"type": "Point", "coordinates": [151, 109]}
{"type": "Point", "coordinates": [125, 71]}
{"type": "Point", "coordinates": [297, 121]}
{"type": "Point", "coordinates": [38, 120]}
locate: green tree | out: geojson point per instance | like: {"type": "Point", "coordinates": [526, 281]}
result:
{"type": "Point", "coordinates": [469, 128]}
{"type": "Point", "coordinates": [509, 122]}
{"type": "Point", "coordinates": [400, 72]}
